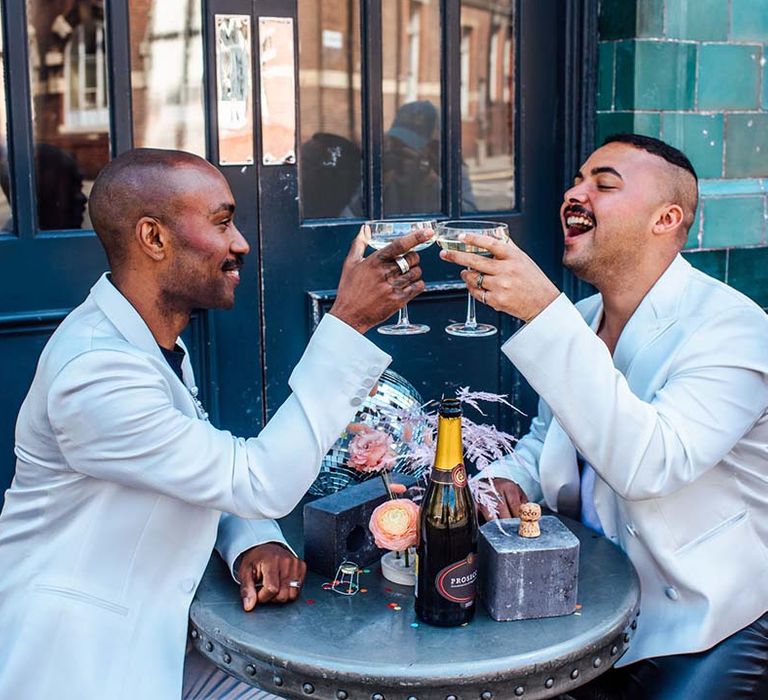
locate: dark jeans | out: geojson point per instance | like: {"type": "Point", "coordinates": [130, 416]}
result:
{"type": "Point", "coordinates": [734, 669]}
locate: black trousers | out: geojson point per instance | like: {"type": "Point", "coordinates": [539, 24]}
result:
{"type": "Point", "coordinates": [734, 669]}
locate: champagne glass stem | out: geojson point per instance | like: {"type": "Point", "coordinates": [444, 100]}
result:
{"type": "Point", "coordinates": [402, 317]}
{"type": "Point", "coordinates": [471, 321]}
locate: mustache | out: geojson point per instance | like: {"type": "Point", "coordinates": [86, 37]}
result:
{"type": "Point", "coordinates": [578, 209]}
{"type": "Point", "coordinates": [233, 264]}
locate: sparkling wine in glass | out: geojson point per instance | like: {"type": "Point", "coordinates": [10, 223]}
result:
{"type": "Point", "coordinates": [381, 234]}
{"type": "Point", "coordinates": [449, 238]}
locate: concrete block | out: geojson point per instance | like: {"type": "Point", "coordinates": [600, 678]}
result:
{"type": "Point", "coordinates": [336, 526]}
{"type": "Point", "coordinates": [522, 578]}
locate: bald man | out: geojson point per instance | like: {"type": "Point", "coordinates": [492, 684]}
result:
{"type": "Point", "coordinates": [653, 419]}
{"type": "Point", "coordinates": [122, 484]}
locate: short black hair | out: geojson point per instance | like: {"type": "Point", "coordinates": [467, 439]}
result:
{"type": "Point", "coordinates": [656, 147]}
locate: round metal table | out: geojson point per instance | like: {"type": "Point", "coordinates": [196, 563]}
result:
{"type": "Point", "coordinates": [347, 648]}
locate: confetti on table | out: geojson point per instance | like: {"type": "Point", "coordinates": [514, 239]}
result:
{"type": "Point", "coordinates": [577, 613]}
{"type": "Point", "coordinates": [366, 571]}
{"type": "Point", "coordinates": [310, 601]}
{"type": "Point", "coordinates": [363, 590]}
{"type": "Point", "coordinates": [387, 590]}
{"type": "Point", "coordinates": [392, 605]}
{"type": "Point", "coordinates": [414, 624]}
{"type": "Point", "coordinates": [578, 606]}
{"type": "Point", "coordinates": [397, 607]}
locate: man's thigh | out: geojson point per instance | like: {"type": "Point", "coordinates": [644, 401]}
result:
{"type": "Point", "coordinates": [204, 681]}
{"type": "Point", "coordinates": [734, 669]}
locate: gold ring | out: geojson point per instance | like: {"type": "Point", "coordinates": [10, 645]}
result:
{"type": "Point", "coordinates": [402, 263]}
{"type": "Point", "coordinates": [479, 280]}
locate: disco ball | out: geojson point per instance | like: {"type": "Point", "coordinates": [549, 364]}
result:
{"type": "Point", "coordinates": [393, 392]}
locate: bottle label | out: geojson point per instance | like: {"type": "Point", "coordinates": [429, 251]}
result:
{"type": "Point", "coordinates": [456, 476]}
{"type": "Point", "coordinates": [456, 582]}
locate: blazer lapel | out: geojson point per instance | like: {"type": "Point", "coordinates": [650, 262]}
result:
{"type": "Point", "coordinates": [133, 328]}
{"type": "Point", "coordinates": [657, 311]}
{"type": "Point", "coordinates": [123, 316]}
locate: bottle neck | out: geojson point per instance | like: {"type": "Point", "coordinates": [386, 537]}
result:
{"type": "Point", "coordinates": [449, 451]}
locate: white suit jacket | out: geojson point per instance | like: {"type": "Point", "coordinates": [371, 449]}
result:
{"type": "Point", "coordinates": [675, 425]}
{"type": "Point", "coordinates": [119, 491]}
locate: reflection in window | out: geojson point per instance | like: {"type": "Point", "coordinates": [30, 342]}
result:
{"type": "Point", "coordinates": [6, 214]}
{"type": "Point", "coordinates": [70, 111]}
{"type": "Point", "coordinates": [167, 75]}
{"type": "Point", "coordinates": [330, 156]}
{"type": "Point", "coordinates": [411, 92]}
{"type": "Point", "coordinates": [85, 77]}
{"type": "Point", "coordinates": [488, 106]}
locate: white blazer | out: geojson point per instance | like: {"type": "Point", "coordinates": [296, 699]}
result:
{"type": "Point", "coordinates": [118, 494]}
{"type": "Point", "coordinates": [675, 425]}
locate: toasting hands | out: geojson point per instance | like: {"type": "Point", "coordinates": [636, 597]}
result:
{"type": "Point", "coordinates": [511, 282]}
{"type": "Point", "coordinates": [372, 289]}
{"type": "Point", "coordinates": [269, 573]}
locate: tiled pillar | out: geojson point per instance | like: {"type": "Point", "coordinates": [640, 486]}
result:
{"type": "Point", "coordinates": [695, 73]}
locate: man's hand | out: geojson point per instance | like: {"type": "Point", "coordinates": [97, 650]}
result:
{"type": "Point", "coordinates": [371, 289]}
{"type": "Point", "coordinates": [511, 281]}
{"type": "Point", "coordinates": [510, 498]}
{"type": "Point", "coordinates": [269, 573]}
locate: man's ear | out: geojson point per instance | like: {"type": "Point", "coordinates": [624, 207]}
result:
{"type": "Point", "coordinates": [152, 237]}
{"type": "Point", "coordinates": [668, 220]}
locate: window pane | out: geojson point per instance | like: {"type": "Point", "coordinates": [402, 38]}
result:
{"type": "Point", "coordinates": [488, 107]}
{"type": "Point", "coordinates": [167, 75]}
{"type": "Point", "coordinates": [330, 156]}
{"type": "Point", "coordinates": [411, 92]}
{"type": "Point", "coordinates": [68, 79]}
{"type": "Point", "coordinates": [6, 213]}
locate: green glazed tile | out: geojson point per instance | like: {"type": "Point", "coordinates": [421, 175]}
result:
{"type": "Point", "coordinates": [711, 262]}
{"type": "Point", "coordinates": [648, 123]}
{"type": "Point", "coordinates": [650, 18]}
{"type": "Point", "coordinates": [655, 75]}
{"type": "Point", "coordinates": [764, 101]}
{"type": "Point", "coordinates": [693, 233]}
{"type": "Point", "coordinates": [722, 186]}
{"type": "Point", "coordinates": [606, 67]}
{"type": "Point", "coordinates": [749, 20]}
{"type": "Point", "coordinates": [733, 222]}
{"type": "Point", "coordinates": [617, 19]}
{"type": "Point", "coordinates": [748, 272]}
{"type": "Point", "coordinates": [729, 76]}
{"type": "Point", "coordinates": [703, 20]}
{"type": "Point", "coordinates": [746, 146]}
{"type": "Point", "coordinates": [609, 123]}
{"type": "Point", "coordinates": [700, 137]}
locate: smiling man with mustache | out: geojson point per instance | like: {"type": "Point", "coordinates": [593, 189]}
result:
{"type": "Point", "coordinates": [653, 419]}
{"type": "Point", "coordinates": [122, 486]}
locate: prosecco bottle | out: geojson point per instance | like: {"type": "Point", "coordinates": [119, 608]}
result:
{"type": "Point", "coordinates": [447, 551]}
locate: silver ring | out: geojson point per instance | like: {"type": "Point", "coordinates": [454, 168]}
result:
{"type": "Point", "coordinates": [479, 280]}
{"type": "Point", "coordinates": [294, 584]}
{"type": "Point", "coordinates": [402, 263]}
{"type": "Point", "coordinates": [485, 294]}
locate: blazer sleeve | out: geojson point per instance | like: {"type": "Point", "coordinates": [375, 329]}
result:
{"type": "Point", "coordinates": [236, 535]}
{"type": "Point", "coordinates": [114, 419]}
{"type": "Point", "coordinates": [716, 391]}
{"type": "Point", "coordinates": [522, 466]}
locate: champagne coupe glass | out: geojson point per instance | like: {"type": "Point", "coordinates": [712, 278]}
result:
{"type": "Point", "coordinates": [448, 238]}
{"type": "Point", "coordinates": [381, 234]}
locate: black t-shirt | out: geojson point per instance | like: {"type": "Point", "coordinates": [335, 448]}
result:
{"type": "Point", "coordinates": [174, 358]}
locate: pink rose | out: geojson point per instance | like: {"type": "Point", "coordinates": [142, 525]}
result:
{"type": "Point", "coordinates": [371, 450]}
{"type": "Point", "coordinates": [395, 524]}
